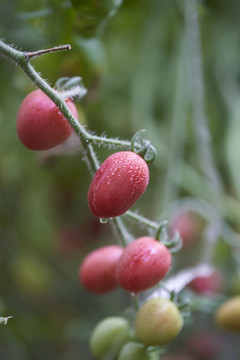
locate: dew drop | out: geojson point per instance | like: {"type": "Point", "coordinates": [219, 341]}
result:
{"type": "Point", "coordinates": [103, 220]}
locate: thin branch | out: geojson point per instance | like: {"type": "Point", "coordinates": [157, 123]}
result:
{"type": "Point", "coordinates": [33, 54]}
{"type": "Point", "coordinates": [22, 60]}
{"type": "Point", "coordinates": [142, 219]}
{"type": "Point", "coordinates": [86, 139]}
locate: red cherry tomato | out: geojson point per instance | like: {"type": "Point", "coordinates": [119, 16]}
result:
{"type": "Point", "coordinates": [118, 184]}
{"type": "Point", "coordinates": [208, 284]}
{"type": "Point", "coordinates": [143, 264]}
{"type": "Point", "coordinates": [97, 272]}
{"type": "Point", "coordinates": [187, 224]}
{"type": "Point", "coordinates": [40, 124]}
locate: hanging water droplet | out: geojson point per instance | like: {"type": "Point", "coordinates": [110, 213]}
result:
{"type": "Point", "coordinates": [103, 220]}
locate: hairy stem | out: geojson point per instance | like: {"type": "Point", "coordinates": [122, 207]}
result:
{"type": "Point", "coordinates": [86, 139]}
{"type": "Point", "coordinates": [33, 54]}
{"type": "Point", "coordinates": [23, 60]}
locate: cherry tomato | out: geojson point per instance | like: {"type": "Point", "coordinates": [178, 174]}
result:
{"type": "Point", "coordinates": [97, 272]}
{"type": "Point", "coordinates": [227, 315]}
{"type": "Point", "coordinates": [208, 284]}
{"type": "Point", "coordinates": [136, 351]}
{"type": "Point", "coordinates": [188, 225]}
{"type": "Point", "coordinates": [143, 264]}
{"type": "Point", "coordinates": [158, 321]}
{"type": "Point", "coordinates": [109, 336]}
{"type": "Point", "coordinates": [118, 184]}
{"type": "Point", "coordinates": [40, 124]}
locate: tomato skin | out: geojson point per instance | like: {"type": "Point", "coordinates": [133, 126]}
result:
{"type": "Point", "coordinates": [40, 124]}
{"type": "Point", "coordinates": [208, 284]}
{"type": "Point", "coordinates": [158, 321]}
{"type": "Point", "coordinates": [136, 351]}
{"type": "Point", "coordinates": [188, 225]}
{"type": "Point", "coordinates": [109, 336]}
{"type": "Point", "coordinates": [118, 184]}
{"type": "Point", "coordinates": [143, 264]}
{"type": "Point", "coordinates": [97, 272]}
{"type": "Point", "coordinates": [227, 315]}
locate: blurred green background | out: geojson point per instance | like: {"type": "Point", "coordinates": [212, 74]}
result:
{"type": "Point", "coordinates": [136, 65]}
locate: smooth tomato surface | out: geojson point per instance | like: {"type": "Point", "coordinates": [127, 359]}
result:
{"type": "Point", "coordinates": [143, 264]}
{"type": "Point", "coordinates": [118, 184]}
{"type": "Point", "coordinates": [109, 336]}
{"type": "Point", "coordinates": [207, 284]}
{"type": "Point", "coordinates": [158, 321]}
{"type": "Point", "coordinates": [40, 124]}
{"type": "Point", "coordinates": [97, 272]}
{"type": "Point", "coordinates": [136, 351]}
{"type": "Point", "coordinates": [227, 315]}
{"type": "Point", "coordinates": [188, 225]}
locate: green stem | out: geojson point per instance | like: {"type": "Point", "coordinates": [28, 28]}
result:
{"type": "Point", "coordinates": [126, 237]}
{"type": "Point", "coordinates": [142, 219]}
{"type": "Point", "coordinates": [56, 98]}
{"type": "Point", "coordinates": [22, 59]}
{"type": "Point", "coordinates": [135, 301]}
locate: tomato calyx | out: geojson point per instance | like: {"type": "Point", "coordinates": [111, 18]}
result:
{"type": "Point", "coordinates": [174, 243]}
{"type": "Point", "coordinates": [143, 147]}
{"type": "Point", "coordinates": [184, 307]}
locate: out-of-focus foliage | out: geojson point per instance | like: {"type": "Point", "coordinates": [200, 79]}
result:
{"type": "Point", "coordinates": [135, 67]}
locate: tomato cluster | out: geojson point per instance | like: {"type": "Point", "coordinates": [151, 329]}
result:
{"type": "Point", "coordinates": [157, 322]}
{"type": "Point", "coordinates": [119, 182]}
{"type": "Point", "coordinates": [117, 185]}
{"type": "Point", "coordinates": [138, 267]}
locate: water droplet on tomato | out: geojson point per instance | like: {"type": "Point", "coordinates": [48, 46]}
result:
{"type": "Point", "coordinates": [103, 220]}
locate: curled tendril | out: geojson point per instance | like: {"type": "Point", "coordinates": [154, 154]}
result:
{"type": "Point", "coordinates": [143, 147]}
{"type": "Point", "coordinates": [174, 242]}
{"type": "Point", "coordinates": [66, 83]}
{"type": "Point", "coordinates": [71, 87]}
{"type": "Point", "coordinates": [161, 231]}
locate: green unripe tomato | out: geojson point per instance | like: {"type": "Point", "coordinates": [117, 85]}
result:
{"type": "Point", "coordinates": [136, 351]}
{"type": "Point", "coordinates": [109, 336]}
{"type": "Point", "coordinates": [158, 321]}
{"type": "Point", "coordinates": [227, 315]}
